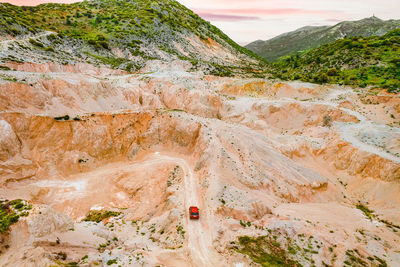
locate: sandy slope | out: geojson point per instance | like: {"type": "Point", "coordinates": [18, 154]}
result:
{"type": "Point", "coordinates": [291, 159]}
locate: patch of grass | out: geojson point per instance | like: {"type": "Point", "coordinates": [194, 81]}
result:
{"type": "Point", "coordinates": [382, 263]}
{"type": "Point", "coordinates": [7, 219]}
{"type": "Point", "coordinates": [266, 252]}
{"type": "Point", "coordinates": [390, 225]}
{"type": "Point", "coordinates": [10, 212]}
{"type": "Point", "coordinates": [367, 212]}
{"type": "Point", "coordinates": [8, 78]}
{"type": "Point", "coordinates": [353, 258]}
{"type": "Point", "coordinates": [111, 262]}
{"type": "Point", "coordinates": [98, 216]}
{"type": "Point", "coordinates": [114, 62]}
{"type": "Point", "coordinates": [179, 229]}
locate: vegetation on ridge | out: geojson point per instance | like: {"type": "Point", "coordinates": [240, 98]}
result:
{"type": "Point", "coordinates": [352, 61]}
{"type": "Point", "coordinates": [138, 28]}
{"type": "Point", "coordinates": [310, 37]}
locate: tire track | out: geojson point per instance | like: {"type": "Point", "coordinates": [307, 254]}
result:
{"type": "Point", "coordinates": [198, 238]}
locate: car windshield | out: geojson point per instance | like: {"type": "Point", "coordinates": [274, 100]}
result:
{"type": "Point", "coordinates": [195, 213]}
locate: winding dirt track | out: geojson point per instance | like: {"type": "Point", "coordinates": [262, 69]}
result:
{"type": "Point", "coordinates": [198, 238]}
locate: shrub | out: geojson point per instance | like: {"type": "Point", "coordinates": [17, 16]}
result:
{"type": "Point", "coordinates": [396, 61]}
{"type": "Point", "coordinates": [327, 121]}
{"type": "Point", "coordinates": [103, 44]}
{"type": "Point", "coordinates": [65, 118]}
{"type": "Point", "coordinates": [98, 216]}
{"type": "Point", "coordinates": [321, 78]}
{"type": "Point", "coordinates": [50, 49]}
{"type": "Point", "coordinates": [110, 262]}
{"type": "Point", "coordinates": [52, 37]}
{"type": "Point", "coordinates": [332, 72]}
{"type": "Point", "coordinates": [14, 31]}
{"type": "Point", "coordinates": [35, 43]}
{"type": "Point", "coordinates": [367, 212]}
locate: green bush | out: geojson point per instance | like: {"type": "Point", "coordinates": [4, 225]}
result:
{"type": "Point", "coordinates": [65, 118]}
{"type": "Point", "coordinates": [50, 49]}
{"type": "Point", "coordinates": [15, 32]}
{"type": "Point", "coordinates": [321, 78]}
{"type": "Point", "coordinates": [10, 212]}
{"type": "Point", "coordinates": [103, 44]}
{"type": "Point", "coordinates": [35, 43]}
{"type": "Point", "coordinates": [98, 216]}
{"type": "Point", "coordinates": [332, 72]}
{"type": "Point", "coordinates": [367, 212]}
{"type": "Point", "coordinates": [111, 262]}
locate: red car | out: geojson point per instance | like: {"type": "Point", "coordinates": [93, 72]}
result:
{"type": "Point", "coordinates": [194, 213]}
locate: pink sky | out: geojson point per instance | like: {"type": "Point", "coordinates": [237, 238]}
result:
{"type": "Point", "coordinates": [249, 20]}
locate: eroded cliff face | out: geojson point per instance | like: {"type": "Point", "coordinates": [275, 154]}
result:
{"type": "Point", "coordinates": [257, 157]}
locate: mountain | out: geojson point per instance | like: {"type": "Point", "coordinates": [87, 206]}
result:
{"type": "Point", "coordinates": [311, 37]}
{"type": "Point", "coordinates": [358, 61]}
{"type": "Point", "coordinates": [124, 34]}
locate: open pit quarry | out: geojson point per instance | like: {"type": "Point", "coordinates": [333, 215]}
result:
{"type": "Point", "coordinates": [312, 171]}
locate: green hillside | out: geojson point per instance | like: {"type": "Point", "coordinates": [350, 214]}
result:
{"type": "Point", "coordinates": [140, 28]}
{"type": "Point", "coordinates": [351, 61]}
{"type": "Point", "coordinates": [313, 36]}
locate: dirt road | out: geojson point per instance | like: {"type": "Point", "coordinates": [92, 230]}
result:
{"type": "Point", "coordinates": [198, 239]}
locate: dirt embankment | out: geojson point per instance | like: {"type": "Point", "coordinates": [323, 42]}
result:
{"type": "Point", "coordinates": [147, 146]}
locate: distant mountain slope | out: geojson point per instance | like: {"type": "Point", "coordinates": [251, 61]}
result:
{"type": "Point", "coordinates": [351, 61]}
{"type": "Point", "coordinates": [121, 33]}
{"type": "Point", "coordinates": [311, 37]}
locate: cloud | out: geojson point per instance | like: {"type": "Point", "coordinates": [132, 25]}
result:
{"type": "Point", "coordinates": [334, 20]}
{"type": "Point", "coordinates": [256, 12]}
{"type": "Point", "coordinates": [225, 17]}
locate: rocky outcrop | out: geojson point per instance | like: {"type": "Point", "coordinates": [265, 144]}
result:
{"type": "Point", "coordinates": [52, 67]}
{"type": "Point", "coordinates": [9, 143]}
{"type": "Point", "coordinates": [357, 162]}
{"type": "Point", "coordinates": [44, 221]}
